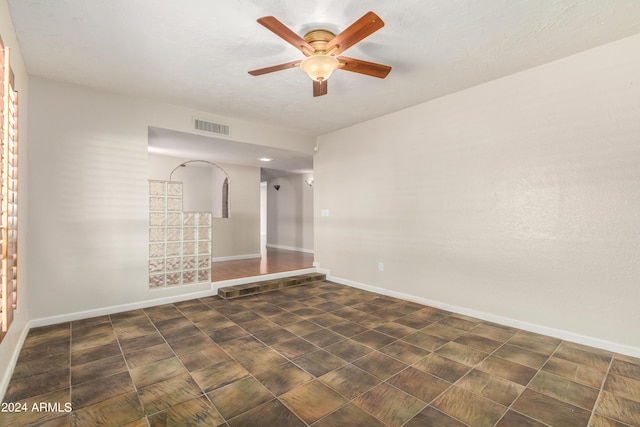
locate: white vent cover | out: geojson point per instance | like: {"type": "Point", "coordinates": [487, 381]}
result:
{"type": "Point", "coordinates": [206, 126]}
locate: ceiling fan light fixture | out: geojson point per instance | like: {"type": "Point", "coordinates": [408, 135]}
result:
{"type": "Point", "coordinates": [319, 67]}
{"type": "Point", "coordinates": [322, 49]}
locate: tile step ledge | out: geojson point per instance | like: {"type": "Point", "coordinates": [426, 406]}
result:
{"type": "Point", "coordinates": [237, 291]}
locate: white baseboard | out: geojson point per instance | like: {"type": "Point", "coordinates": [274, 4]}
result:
{"type": "Point", "coordinates": [235, 257]}
{"type": "Point", "coordinates": [531, 327]}
{"type": "Point", "coordinates": [85, 314]}
{"type": "Point", "coordinates": [290, 248]}
{"type": "Point", "coordinates": [69, 317]}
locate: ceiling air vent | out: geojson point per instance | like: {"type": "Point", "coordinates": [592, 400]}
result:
{"type": "Point", "coordinates": [211, 127]}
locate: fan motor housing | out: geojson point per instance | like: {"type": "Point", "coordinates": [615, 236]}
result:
{"type": "Point", "coordinates": [319, 39]}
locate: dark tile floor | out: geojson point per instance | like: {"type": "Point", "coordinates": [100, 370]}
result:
{"type": "Point", "coordinates": [317, 355]}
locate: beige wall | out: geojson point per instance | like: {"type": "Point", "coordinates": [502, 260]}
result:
{"type": "Point", "coordinates": [239, 235]}
{"type": "Point", "coordinates": [290, 213]}
{"type": "Point", "coordinates": [89, 191]}
{"type": "Point", "coordinates": [519, 198]}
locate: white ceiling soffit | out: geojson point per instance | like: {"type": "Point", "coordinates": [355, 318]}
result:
{"type": "Point", "coordinates": [223, 151]}
{"type": "Point", "coordinates": [197, 53]}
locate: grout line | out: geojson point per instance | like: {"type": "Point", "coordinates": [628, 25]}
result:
{"type": "Point", "coordinates": [71, 416]}
{"type": "Point", "coordinates": [510, 406]}
{"type": "Point", "coordinates": [206, 394]}
{"type": "Point", "coordinates": [604, 380]}
{"type": "Point", "coordinates": [249, 297]}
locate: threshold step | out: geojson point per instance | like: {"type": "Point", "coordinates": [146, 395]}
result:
{"type": "Point", "coordinates": [236, 291]}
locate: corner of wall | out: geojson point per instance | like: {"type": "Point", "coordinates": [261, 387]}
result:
{"type": "Point", "coordinates": [9, 352]}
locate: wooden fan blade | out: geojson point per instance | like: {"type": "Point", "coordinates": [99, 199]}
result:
{"type": "Point", "coordinates": [364, 67]}
{"type": "Point", "coordinates": [319, 88]}
{"type": "Point", "coordinates": [273, 68]}
{"type": "Point", "coordinates": [362, 28]}
{"type": "Point", "coordinates": [282, 31]}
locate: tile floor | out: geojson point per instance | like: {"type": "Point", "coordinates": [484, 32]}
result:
{"type": "Point", "coordinates": [316, 355]}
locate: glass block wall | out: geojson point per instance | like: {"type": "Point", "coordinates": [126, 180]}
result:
{"type": "Point", "coordinates": [179, 242]}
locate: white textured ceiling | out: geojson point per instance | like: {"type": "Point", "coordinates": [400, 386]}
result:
{"type": "Point", "coordinates": [197, 52]}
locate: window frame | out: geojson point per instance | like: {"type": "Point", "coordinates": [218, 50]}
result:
{"type": "Point", "coordinates": [9, 193]}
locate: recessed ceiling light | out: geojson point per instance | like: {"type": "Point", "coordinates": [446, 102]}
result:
{"type": "Point", "coordinates": [265, 159]}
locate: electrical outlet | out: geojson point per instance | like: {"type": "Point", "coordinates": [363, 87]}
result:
{"type": "Point", "coordinates": [381, 266]}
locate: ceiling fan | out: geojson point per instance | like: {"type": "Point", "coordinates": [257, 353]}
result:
{"type": "Point", "coordinates": [321, 48]}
